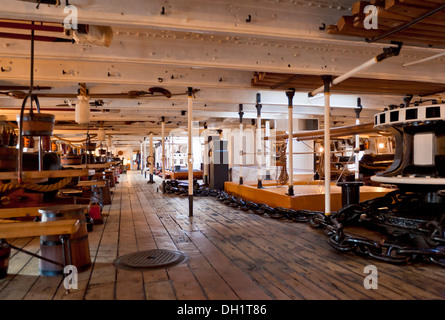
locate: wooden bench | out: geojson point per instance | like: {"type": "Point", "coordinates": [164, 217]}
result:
{"type": "Point", "coordinates": [92, 183]}
{"type": "Point", "coordinates": [18, 229]}
{"type": "Point", "coordinates": [35, 229]}
{"type": "Point", "coordinates": [19, 212]}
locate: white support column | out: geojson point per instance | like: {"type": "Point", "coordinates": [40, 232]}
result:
{"type": "Point", "coordinates": [144, 155]}
{"type": "Point", "coordinates": [327, 144]}
{"type": "Point", "coordinates": [268, 148]}
{"type": "Point", "coordinates": [259, 142]}
{"type": "Point", "coordinates": [357, 139]}
{"type": "Point", "coordinates": [141, 159]}
{"type": "Point", "coordinates": [190, 149]}
{"type": "Point", "coordinates": [150, 156]}
{"type": "Point", "coordinates": [172, 160]}
{"type": "Point", "coordinates": [163, 152]}
{"type": "Point", "coordinates": [205, 157]}
{"type": "Point", "coordinates": [290, 95]}
{"type": "Point", "coordinates": [241, 155]}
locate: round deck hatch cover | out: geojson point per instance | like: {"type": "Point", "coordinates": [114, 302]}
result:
{"type": "Point", "coordinates": [150, 259]}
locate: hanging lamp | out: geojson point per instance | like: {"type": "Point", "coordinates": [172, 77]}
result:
{"type": "Point", "coordinates": [82, 111]}
{"type": "Point", "coordinates": [101, 133]}
{"type": "Point", "coordinates": [101, 136]}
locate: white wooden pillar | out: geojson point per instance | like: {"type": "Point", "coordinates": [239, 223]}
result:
{"type": "Point", "coordinates": [190, 149]}
{"type": "Point", "coordinates": [163, 152]}
{"type": "Point", "coordinates": [268, 148]}
{"type": "Point", "coordinates": [357, 140]}
{"type": "Point", "coordinates": [290, 124]}
{"type": "Point", "coordinates": [241, 155]}
{"type": "Point", "coordinates": [205, 157]}
{"type": "Point", "coordinates": [327, 144]}
{"type": "Point", "coordinates": [150, 157]}
{"type": "Point", "coordinates": [259, 142]}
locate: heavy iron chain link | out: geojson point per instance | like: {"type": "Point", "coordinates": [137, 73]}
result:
{"type": "Point", "coordinates": [333, 225]}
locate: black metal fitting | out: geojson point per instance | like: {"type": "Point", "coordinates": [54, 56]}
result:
{"type": "Point", "coordinates": [258, 104]}
{"type": "Point", "coordinates": [327, 80]}
{"type": "Point", "coordinates": [359, 108]}
{"type": "Point", "coordinates": [389, 52]}
{"type": "Point", "coordinates": [290, 96]}
{"type": "Point", "coordinates": [241, 113]}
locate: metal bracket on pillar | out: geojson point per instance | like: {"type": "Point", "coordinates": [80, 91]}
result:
{"type": "Point", "coordinates": [359, 108]}
{"type": "Point", "coordinates": [290, 95]}
{"type": "Point", "coordinates": [258, 104]}
{"type": "Point", "coordinates": [241, 113]}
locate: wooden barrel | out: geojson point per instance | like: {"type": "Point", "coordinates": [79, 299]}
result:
{"type": "Point", "coordinates": [51, 246]}
{"type": "Point", "coordinates": [46, 143]}
{"type": "Point", "coordinates": [89, 146]}
{"type": "Point", "coordinates": [5, 252]}
{"type": "Point", "coordinates": [8, 159]}
{"type": "Point", "coordinates": [88, 158]}
{"type": "Point", "coordinates": [37, 124]}
{"type": "Point", "coordinates": [71, 159]}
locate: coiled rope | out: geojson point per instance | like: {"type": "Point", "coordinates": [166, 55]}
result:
{"type": "Point", "coordinates": [36, 187]}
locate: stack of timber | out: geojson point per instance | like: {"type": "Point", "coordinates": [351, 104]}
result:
{"type": "Point", "coordinates": [393, 14]}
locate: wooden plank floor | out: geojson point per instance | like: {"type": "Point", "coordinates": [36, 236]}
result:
{"type": "Point", "coordinates": [231, 255]}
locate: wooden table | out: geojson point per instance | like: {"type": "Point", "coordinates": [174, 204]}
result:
{"type": "Point", "coordinates": [91, 183]}
{"type": "Point", "coordinates": [47, 174]}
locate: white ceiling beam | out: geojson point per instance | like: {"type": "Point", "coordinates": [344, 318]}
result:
{"type": "Point", "coordinates": [93, 63]}
{"type": "Point", "coordinates": [273, 19]}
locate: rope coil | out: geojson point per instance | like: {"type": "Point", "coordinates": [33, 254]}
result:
{"type": "Point", "coordinates": [36, 187]}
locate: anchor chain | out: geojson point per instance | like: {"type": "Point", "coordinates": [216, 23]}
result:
{"type": "Point", "coordinates": [409, 239]}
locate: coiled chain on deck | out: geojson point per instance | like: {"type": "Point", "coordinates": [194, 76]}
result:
{"type": "Point", "coordinates": [363, 213]}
